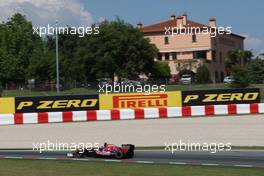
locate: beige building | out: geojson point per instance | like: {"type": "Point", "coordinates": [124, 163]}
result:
{"type": "Point", "coordinates": [187, 50]}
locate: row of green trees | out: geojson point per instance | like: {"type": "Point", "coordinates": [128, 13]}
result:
{"type": "Point", "coordinates": [20, 50]}
{"type": "Point", "coordinates": [118, 50]}
{"type": "Point", "coordinates": [242, 65]}
{"type": "Point", "coordinates": [244, 68]}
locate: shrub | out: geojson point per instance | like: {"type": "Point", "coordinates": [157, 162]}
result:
{"type": "Point", "coordinates": [203, 75]}
{"type": "Point", "coordinates": [241, 77]}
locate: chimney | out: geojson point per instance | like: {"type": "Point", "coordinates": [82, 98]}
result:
{"type": "Point", "coordinates": [212, 22]}
{"type": "Point", "coordinates": [173, 17]}
{"type": "Point", "coordinates": [139, 25]}
{"type": "Point", "coordinates": [179, 21]}
{"type": "Point", "coordinates": [184, 19]}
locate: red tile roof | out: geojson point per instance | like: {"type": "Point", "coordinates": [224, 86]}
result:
{"type": "Point", "coordinates": [160, 27]}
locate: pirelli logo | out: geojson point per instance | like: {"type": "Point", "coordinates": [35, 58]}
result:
{"type": "Point", "coordinates": [140, 101]}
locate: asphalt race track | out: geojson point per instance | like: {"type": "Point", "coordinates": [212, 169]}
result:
{"type": "Point", "coordinates": [235, 158]}
{"type": "Point", "coordinates": [246, 130]}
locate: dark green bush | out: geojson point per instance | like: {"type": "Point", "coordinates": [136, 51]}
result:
{"type": "Point", "coordinates": [203, 75]}
{"type": "Point", "coordinates": [241, 77]}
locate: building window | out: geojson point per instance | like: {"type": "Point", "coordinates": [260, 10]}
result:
{"type": "Point", "coordinates": [159, 56]}
{"type": "Point", "coordinates": [213, 55]}
{"type": "Point", "coordinates": [174, 55]}
{"type": "Point", "coordinates": [222, 76]}
{"type": "Point", "coordinates": [216, 76]}
{"type": "Point", "coordinates": [166, 40]}
{"type": "Point", "coordinates": [240, 46]}
{"type": "Point", "coordinates": [199, 54]}
{"type": "Point", "coordinates": [220, 57]}
{"type": "Point", "coordinates": [214, 41]}
{"type": "Point", "coordinates": [167, 56]}
{"type": "Point", "coordinates": [193, 38]}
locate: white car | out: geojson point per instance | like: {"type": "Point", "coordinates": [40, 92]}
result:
{"type": "Point", "coordinates": [186, 79]}
{"type": "Point", "coordinates": [228, 79]}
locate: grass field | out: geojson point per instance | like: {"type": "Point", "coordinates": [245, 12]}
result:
{"type": "Point", "coordinates": [79, 91]}
{"type": "Point", "coordinates": [15, 167]}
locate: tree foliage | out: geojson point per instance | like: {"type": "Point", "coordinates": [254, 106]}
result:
{"type": "Point", "coordinates": [241, 77]}
{"type": "Point", "coordinates": [161, 70]}
{"type": "Point", "coordinates": [118, 50]}
{"type": "Point", "coordinates": [256, 71]}
{"type": "Point", "coordinates": [238, 57]}
{"type": "Point", "coordinates": [21, 51]}
{"type": "Point", "coordinates": [203, 74]}
{"type": "Point", "coordinates": [237, 62]}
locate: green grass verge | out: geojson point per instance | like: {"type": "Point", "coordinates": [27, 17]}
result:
{"type": "Point", "coordinates": [80, 168]}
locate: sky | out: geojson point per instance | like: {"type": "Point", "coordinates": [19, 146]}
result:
{"type": "Point", "coordinates": [244, 16]}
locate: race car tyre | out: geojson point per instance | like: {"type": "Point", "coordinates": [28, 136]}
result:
{"type": "Point", "coordinates": [132, 154]}
{"type": "Point", "coordinates": [119, 155]}
{"type": "Point", "coordinates": [76, 155]}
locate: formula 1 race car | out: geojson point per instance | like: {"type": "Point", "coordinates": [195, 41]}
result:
{"type": "Point", "coordinates": [106, 151]}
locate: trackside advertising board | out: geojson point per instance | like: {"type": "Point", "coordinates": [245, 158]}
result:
{"type": "Point", "coordinates": [7, 105]}
{"type": "Point", "coordinates": [220, 96]}
{"type": "Point", "coordinates": [56, 103]}
{"type": "Point", "coordinates": [140, 100]}
{"type": "Point", "coordinates": [10, 105]}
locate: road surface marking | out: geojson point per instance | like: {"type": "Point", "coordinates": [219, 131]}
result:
{"type": "Point", "coordinates": [13, 157]}
{"type": "Point", "coordinates": [209, 164]}
{"type": "Point", "coordinates": [145, 162]}
{"type": "Point", "coordinates": [80, 159]}
{"type": "Point", "coordinates": [110, 160]}
{"type": "Point", "coordinates": [178, 163]}
{"type": "Point", "coordinates": [43, 158]}
{"type": "Point", "coordinates": [238, 165]}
